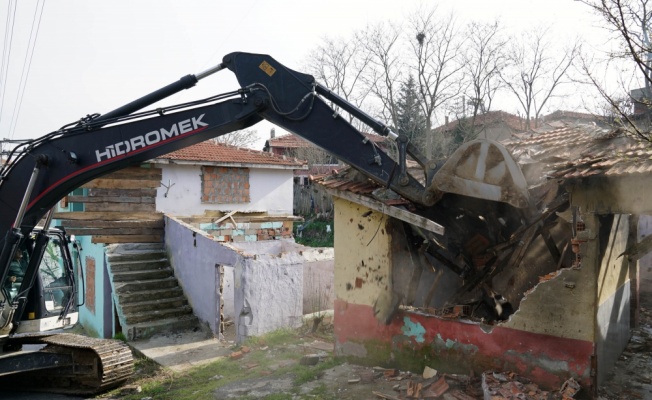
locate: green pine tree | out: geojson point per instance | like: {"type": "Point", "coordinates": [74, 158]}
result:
{"type": "Point", "coordinates": [411, 120]}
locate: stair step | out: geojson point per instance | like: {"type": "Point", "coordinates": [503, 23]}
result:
{"type": "Point", "coordinates": [121, 247]}
{"type": "Point", "coordinates": [147, 295]}
{"type": "Point", "coordinates": [148, 329]}
{"type": "Point", "coordinates": [156, 304]}
{"type": "Point", "coordinates": [136, 255]}
{"type": "Point", "coordinates": [130, 276]}
{"type": "Point", "coordinates": [138, 286]}
{"type": "Point", "coordinates": [156, 315]}
{"type": "Point", "coordinates": [139, 265]}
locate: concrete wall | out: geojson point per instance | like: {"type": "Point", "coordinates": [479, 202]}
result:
{"type": "Point", "coordinates": [613, 295]}
{"type": "Point", "coordinates": [564, 305]}
{"type": "Point", "coordinates": [537, 343]}
{"type": "Point", "coordinates": [268, 294]}
{"type": "Point", "coordinates": [268, 278]}
{"type": "Point", "coordinates": [195, 258]}
{"type": "Point", "coordinates": [644, 268]}
{"type": "Point", "coordinates": [318, 270]}
{"type": "Point", "coordinates": [271, 190]}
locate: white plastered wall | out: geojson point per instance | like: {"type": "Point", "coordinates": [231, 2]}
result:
{"type": "Point", "coordinates": [271, 190]}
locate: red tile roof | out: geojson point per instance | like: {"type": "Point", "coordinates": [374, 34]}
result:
{"type": "Point", "coordinates": [293, 141]}
{"type": "Point", "coordinates": [580, 152]}
{"type": "Point", "coordinates": [487, 119]}
{"type": "Point", "coordinates": [517, 124]}
{"type": "Point", "coordinates": [212, 152]}
{"type": "Point", "coordinates": [561, 114]}
{"type": "Point", "coordinates": [568, 153]}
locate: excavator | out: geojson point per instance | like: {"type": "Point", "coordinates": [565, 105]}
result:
{"type": "Point", "coordinates": [37, 307]}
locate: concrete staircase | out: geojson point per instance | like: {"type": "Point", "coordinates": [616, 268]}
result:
{"type": "Point", "coordinates": [148, 297]}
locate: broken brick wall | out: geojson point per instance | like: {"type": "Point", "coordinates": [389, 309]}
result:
{"type": "Point", "coordinates": [224, 185]}
{"type": "Point", "coordinates": [538, 342]}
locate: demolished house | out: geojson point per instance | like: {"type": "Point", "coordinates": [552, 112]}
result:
{"type": "Point", "coordinates": [541, 281]}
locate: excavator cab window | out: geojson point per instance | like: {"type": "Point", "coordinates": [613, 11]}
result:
{"type": "Point", "coordinates": [55, 276]}
{"type": "Point", "coordinates": [16, 273]}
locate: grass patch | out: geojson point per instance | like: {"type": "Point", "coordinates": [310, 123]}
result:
{"type": "Point", "coordinates": [314, 232]}
{"type": "Point", "coordinates": [120, 336]}
{"type": "Point", "coordinates": [304, 374]}
{"type": "Point", "coordinates": [275, 338]}
{"type": "Point", "coordinates": [267, 354]}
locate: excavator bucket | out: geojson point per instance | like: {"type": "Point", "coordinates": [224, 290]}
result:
{"type": "Point", "coordinates": [483, 169]}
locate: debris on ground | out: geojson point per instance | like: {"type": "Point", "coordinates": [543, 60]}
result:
{"type": "Point", "coordinates": [429, 372]}
{"type": "Point", "coordinates": [569, 389]}
{"type": "Point", "coordinates": [509, 385]}
{"type": "Point", "coordinates": [429, 385]}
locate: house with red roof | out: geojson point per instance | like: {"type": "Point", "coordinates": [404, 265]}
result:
{"type": "Point", "coordinates": [319, 161]}
{"type": "Point", "coordinates": [218, 177]}
{"type": "Point", "coordinates": [501, 125]}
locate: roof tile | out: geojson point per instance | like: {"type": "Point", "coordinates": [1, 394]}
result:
{"type": "Point", "coordinates": [293, 141]}
{"type": "Point", "coordinates": [210, 151]}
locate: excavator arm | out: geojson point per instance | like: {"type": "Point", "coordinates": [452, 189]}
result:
{"type": "Point", "coordinates": [47, 169]}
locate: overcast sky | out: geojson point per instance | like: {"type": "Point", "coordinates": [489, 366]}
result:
{"type": "Point", "coordinates": [94, 56]}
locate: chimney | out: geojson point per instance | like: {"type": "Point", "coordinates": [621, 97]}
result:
{"type": "Point", "coordinates": [446, 120]}
{"type": "Point", "coordinates": [272, 134]}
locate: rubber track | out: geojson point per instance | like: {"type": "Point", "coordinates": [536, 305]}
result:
{"type": "Point", "coordinates": [98, 364]}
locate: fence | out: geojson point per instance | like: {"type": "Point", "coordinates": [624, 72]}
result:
{"type": "Point", "coordinates": [311, 199]}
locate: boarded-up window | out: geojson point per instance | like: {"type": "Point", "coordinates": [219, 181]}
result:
{"type": "Point", "coordinates": [223, 185]}
{"type": "Point", "coordinates": [90, 284]}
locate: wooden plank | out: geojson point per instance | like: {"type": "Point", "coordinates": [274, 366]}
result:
{"type": "Point", "coordinates": [111, 199]}
{"type": "Point", "coordinates": [71, 223]}
{"type": "Point", "coordinates": [136, 173]}
{"type": "Point", "coordinates": [128, 239]}
{"type": "Point", "coordinates": [122, 184]}
{"type": "Point", "coordinates": [392, 211]}
{"type": "Point", "coordinates": [109, 216]}
{"type": "Point", "coordinates": [121, 207]}
{"type": "Point", "coordinates": [100, 192]}
{"type": "Point", "coordinates": [113, 231]}
{"type": "Point", "coordinates": [247, 218]}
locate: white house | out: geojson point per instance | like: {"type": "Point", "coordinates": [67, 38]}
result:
{"type": "Point", "coordinates": [213, 176]}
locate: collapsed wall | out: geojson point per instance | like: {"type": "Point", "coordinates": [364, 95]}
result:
{"type": "Point", "coordinates": [389, 309]}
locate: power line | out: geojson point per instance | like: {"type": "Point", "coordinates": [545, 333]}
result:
{"type": "Point", "coordinates": [31, 46]}
{"type": "Point", "coordinates": [9, 34]}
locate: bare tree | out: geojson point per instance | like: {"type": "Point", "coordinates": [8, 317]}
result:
{"type": "Point", "coordinates": [536, 71]}
{"type": "Point", "coordinates": [386, 66]}
{"type": "Point", "coordinates": [436, 46]}
{"type": "Point", "coordinates": [483, 61]}
{"type": "Point", "coordinates": [340, 65]}
{"type": "Point", "coordinates": [628, 21]}
{"type": "Point", "coordinates": [243, 138]}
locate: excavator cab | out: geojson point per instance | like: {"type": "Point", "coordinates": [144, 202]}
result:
{"type": "Point", "coordinates": [41, 298]}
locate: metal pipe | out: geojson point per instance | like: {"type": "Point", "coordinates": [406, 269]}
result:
{"type": "Point", "coordinates": [48, 220]}
{"type": "Point", "coordinates": [185, 82]}
{"type": "Point", "coordinates": [377, 126]}
{"type": "Point", "coordinates": [28, 194]}
{"type": "Point", "coordinates": [210, 71]}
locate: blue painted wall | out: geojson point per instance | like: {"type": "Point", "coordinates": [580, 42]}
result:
{"type": "Point", "coordinates": [95, 321]}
